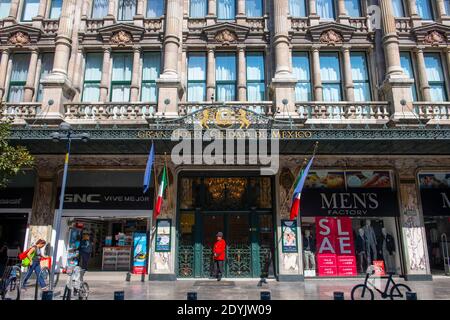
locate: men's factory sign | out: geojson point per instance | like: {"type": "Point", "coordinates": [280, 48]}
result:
{"type": "Point", "coordinates": [435, 193]}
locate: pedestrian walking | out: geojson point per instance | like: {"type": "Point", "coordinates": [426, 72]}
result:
{"type": "Point", "coordinates": [33, 262]}
{"type": "Point", "coordinates": [219, 255]}
{"type": "Point", "coordinates": [85, 251]}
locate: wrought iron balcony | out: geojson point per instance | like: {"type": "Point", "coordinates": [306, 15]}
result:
{"type": "Point", "coordinates": [433, 112]}
{"type": "Point", "coordinates": [356, 113]}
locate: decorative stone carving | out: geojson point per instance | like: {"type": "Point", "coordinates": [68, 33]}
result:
{"type": "Point", "coordinates": [331, 38]}
{"type": "Point", "coordinates": [122, 38]}
{"type": "Point", "coordinates": [19, 39]}
{"type": "Point", "coordinates": [434, 38]}
{"type": "Point", "coordinates": [225, 36]}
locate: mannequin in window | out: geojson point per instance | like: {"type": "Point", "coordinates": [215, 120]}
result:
{"type": "Point", "coordinates": [388, 249]}
{"type": "Point", "coordinates": [309, 249]}
{"type": "Point", "coordinates": [361, 247]}
{"type": "Point", "coordinates": [371, 242]}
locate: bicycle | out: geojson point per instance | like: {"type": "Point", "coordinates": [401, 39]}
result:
{"type": "Point", "coordinates": [76, 285]}
{"type": "Point", "coordinates": [364, 292]}
{"type": "Point", "coordinates": [10, 283]}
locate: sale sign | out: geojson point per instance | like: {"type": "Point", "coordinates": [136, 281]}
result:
{"type": "Point", "coordinates": [335, 247]}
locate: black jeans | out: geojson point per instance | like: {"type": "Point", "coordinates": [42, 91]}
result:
{"type": "Point", "coordinates": [218, 268]}
{"type": "Point", "coordinates": [84, 259]}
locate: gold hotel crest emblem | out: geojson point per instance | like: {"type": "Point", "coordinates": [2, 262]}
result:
{"type": "Point", "coordinates": [224, 118]}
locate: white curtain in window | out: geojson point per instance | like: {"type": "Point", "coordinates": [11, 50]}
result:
{"type": "Point", "coordinates": [435, 77]}
{"type": "Point", "coordinates": [46, 69]}
{"type": "Point", "coordinates": [398, 8]}
{"type": "Point", "coordinates": [297, 8]}
{"type": "Point", "coordinates": [405, 62]}
{"type": "Point", "coordinates": [55, 11]}
{"type": "Point", "coordinates": [255, 72]}
{"type": "Point", "coordinates": [127, 9]}
{"type": "Point", "coordinates": [93, 72]}
{"type": "Point", "coordinates": [5, 5]}
{"type": "Point", "coordinates": [100, 9]}
{"type": "Point", "coordinates": [226, 71]}
{"type": "Point", "coordinates": [325, 9]}
{"type": "Point", "coordinates": [120, 93]}
{"type": "Point", "coordinates": [155, 8]}
{"type": "Point", "coordinates": [198, 8]}
{"type": "Point", "coordinates": [30, 9]}
{"type": "Point", "coordinates": [226, 9]}
{"type": "Point", "coordinates": [424, 9]}
{"type": "Point", "coordinates": [300, 68]}
{"type": "Point", "coordinates": [253, 8]}
{"type": "Point", "coordinates": [330, 72]}
{"type": "Point", "coordinates": [196, 78]}
{"type": "Point", "coordinates": [21, 63]}
{"type": "Point", "coordinates": [150, 72]}
{"type": "Point", "coordinates": [353, 8]}
{"type": "Point", "coordinates": [360, 77]}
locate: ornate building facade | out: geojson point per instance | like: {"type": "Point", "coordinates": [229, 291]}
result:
{"type": "Point", "coordinates": [367, 79]}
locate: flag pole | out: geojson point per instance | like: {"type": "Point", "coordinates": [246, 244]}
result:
{"type": "Point", "coordinates": [150, 251]}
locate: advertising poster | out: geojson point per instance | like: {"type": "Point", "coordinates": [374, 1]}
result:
{"type": "Point", "coordinates": [435, 193]}
{"type": "Point", "coordinates": [289, 233]}
{"type": "Point", "coordinates": [335, 247]}
{"type": "Point", "coordinates": [139, 253]}
{"type": "Point", "coordinates": [379, 267]}
{"type": "Point", "coordinates": [163, 235]}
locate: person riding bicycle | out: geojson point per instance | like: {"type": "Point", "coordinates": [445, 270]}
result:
{"type": "Point", "coordinates": [34, 256]}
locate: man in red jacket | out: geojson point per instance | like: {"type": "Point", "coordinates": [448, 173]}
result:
{"type": "Point", "coordinates": [219, 255]}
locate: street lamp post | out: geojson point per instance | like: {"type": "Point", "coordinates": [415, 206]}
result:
{"type": "Point", "coordinates": [65, 133]}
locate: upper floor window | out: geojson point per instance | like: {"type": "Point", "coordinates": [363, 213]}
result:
{"type": "Point", "coordinates": [55, 9]}
{"type": "Point", "coordinates": [330, 73]}
{"type": "Point", "coordinates": [424, 9]}
{"type": "Point", "coordinates": [435, 76]}
{"type": "Point", "coordinates": [447, 7]}
{"type": "Point", "coordinates": [256, 84]}
{"type": "Point", "coordinates": [353, 8]}
{"type": "Point", "coordinates": [226, 9]}
{"type": "Point", "coordinates": [92, 77]}
{"type": "Point", "coordinates": [30, 9]}
{"type": "Point", "coordinates": [150, 72]}
{"type": "Point", "coordinates": [360, 76]}
{"type": "Point", "coordinates": [399, 9]}
{"type": "Point", "coordinates": [121, 77]}
{"type": "Point", "coordinates": [127, 10]}
{"type": "Point", "coordinates": [226, 77]}
{"type": "Point", "coordinates": [300, 64]}
{"type": "Point", "coordinates": [198, 8]}
{"type": "Point", "coordinates": [155, 8]}
{"type": "Point", "coordinates": [407, 66]}
{"type": "Point", "coordinates": [99, 9]}
{"type": "Point", "coordinates": [254, 8]}
{"type": "Point", "coordinates": [19, 73]}
{"type": "Point", "coordinates": [5, 6]}
{"type": "Point", "coordinates": [297, 8]}
{"type": "Point", "coordinates": [196, 77]}
{"type": "Point", "coordinates": [325, 9]}
{"type": "Point", "coordinates": [46, 69]}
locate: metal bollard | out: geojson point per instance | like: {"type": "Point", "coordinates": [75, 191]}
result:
{"type": "Point", "coordinates": [338, 295]}
{"type": "Point", "coordinates": [119, 295]}
{"type": "Point", "coordinates": [47, 295]}
{"type": "Point", "coordinates": [128, 277]}
{"type": "Point", "coordinates": [192, 295]}
{"type": "Point", "coordinates": [265, 295]}
{"type": "Point", "coordinates": [411, 296]}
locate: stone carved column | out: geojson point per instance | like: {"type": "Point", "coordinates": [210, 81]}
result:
{"type": "Point", "coordinates": [31, 76]}
{"type": "Point", "coordinates": [14, 9]}
{"type": "Point", "coordinates": [3, 71]}
{"type": "Point", "coordinates": [413, 13]}
{"type": "Point", "coordinates": [37, 21]}
{"type": "Point", "coordinates": [211, 75]}
{"type": "Point", "coordinates": [104, 83]}
{"type": "Point", "coordinates": [313, 17]}
{"type": "Point", "coordinates": [390, 40]}
{"type": "Point", "coordinates": [342, 12]}
{"type": "Point", "coordinates": [212, 8]}
{"type": "Point", "coordinates": [84, 14]}
{"type": "Point", "coordinates": [135, 84]}
{"type": "Point", "coordinates": [112, 12]}
{"type": "Point", "coordinates": [78, 71]}
{"type": "Point", "coordinates": [240, 17]}
{"type": "Point", "coordinates": [422, 71]}
{"type": "Point", "coordinates": [442, 13]}
{"type": "Point", "coordinates": [242, 75]}
{"type": "Point", "coordinates": [317, 81]}
{"type": "Point", "coordinates": [349, 86]}
{"type": "Point", "coordinates": [140, 13]}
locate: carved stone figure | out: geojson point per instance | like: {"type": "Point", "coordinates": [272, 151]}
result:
{"type": "Point", "coordinates": [434, 38]}
{"type": "Point", "coordinates": [225, 36]}
{"type": "Point", "coordinates": [122, 38]}
{"type": "Point", "coordinates": [19, 39]}
{"type": "Point", "coordinates": [331, 37]}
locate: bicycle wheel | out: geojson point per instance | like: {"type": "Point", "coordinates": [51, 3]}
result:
{"type": "Point", "coordinates": [12, 289]}
{"type": "Point", "coordinates": [399, 291]}
{"type": "Point", "coordinates": [83, 293]}
{"type": "Point", "coordinates": [362, 292]}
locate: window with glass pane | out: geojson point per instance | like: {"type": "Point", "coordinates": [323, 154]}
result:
{"type": "Point", "coordinates": [254, 8]}
{"type": "Point", "coordinates": [226, 77]}
{"type": "Point", "coordinates": [5, 6]}
{"type": "Point", "coordinates": [353, 8]}
{"type": "Point", "coordinates": [424, 9]}
{"type": "Point", "coordinates": [300, 68]}
{"type": "Point", "coordinates": [399, 9]}
{"type": "Point", "coordinates": [447, 7]}
{"type": "Point", "coordinates": [155, 8]}
{"type": "Point", "coordinates": [121, 77]}
{"type": "Point", "coordinates": [325, 9]}
{"type": "Point", "coordinates": [198, 8]}
{"type": "Point", "coordinates": [19, 73]}
{"type": "Point", "coordinates": [360, 76]}
{"type": "Point", "coordinates": [226, 9]}
{"type": "Point", "coordinates": [150, 72]}
{"type": "Point", "coordinates": [92, 77]}
{"type": "Point", "coordinates": [330, 73]}
{"type": "Point", "coordinates": [435, 77]}
{"type": "Point", "coordinates": [127, 10]}
{"type": "Point", "coordinates": [30, 9]}
{"type": "Point", "coordinates": [46, 69]}
{"type": "Point", "coordinates": [99, 9]}
{"type": "Point", "coordinates": [196, 77]}
{"type": "Point", "coordinates": [55, 9]}
{"type": "Point", "coordinates": [297, 8]}
{"type": "Point", "coordinates": [256, 84]}
{"type": "Point", "coordinates": [407, 66]}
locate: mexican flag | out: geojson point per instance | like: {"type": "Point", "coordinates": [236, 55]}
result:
{"type": "Point", "coordinates": [162, 188]}
{"type": "Point", "coordinates": [300, 181]}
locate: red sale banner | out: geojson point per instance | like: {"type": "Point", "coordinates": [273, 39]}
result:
{"type": "Point", "coordinates": [335, 247]}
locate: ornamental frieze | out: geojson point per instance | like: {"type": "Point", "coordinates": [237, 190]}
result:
{"type": "Point", "coordinates": [434, 38]}
{"type": "Point", "coordinates": [19, 39]}
{"type": "Point", "coordinates": [331, 38]}
{"type": "Point", "coordinates": [122, 38]}
{"type": "Point", "coordinates": [225, 37]}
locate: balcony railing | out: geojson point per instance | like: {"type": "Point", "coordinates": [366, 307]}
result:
{"type": "Point", "coordinates": [263, 108]}
{"type": "Point", "coordinates": [109, 112]}
{"type": "Point", "coordinates": [344, 112]}
{"type": "Point", "coordinates": [299, 24]}
{"type": "Point", "coordinates": [92, 25]}
{"type": "Point", "coordinates": [19, 112]}
{"type": "Point", "coordinates": [196, 23]}
{"type": "Point", "coordinates": [361, 24]}
{"type": "Point", "coordinates": [256, 24]}
{"type": "Point", "coordinates": [403, 25]}
{"type": "Point", "coordinates": [50, 26]}
{"type": "Point", "coordinates": [434, 112]}
{"type": "Point", "coordinates": [153, 25]}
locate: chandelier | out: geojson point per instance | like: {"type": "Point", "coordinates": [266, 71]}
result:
{"type": "Point", "coordinates": [222, 189]}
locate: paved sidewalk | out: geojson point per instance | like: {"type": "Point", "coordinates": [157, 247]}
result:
{"type": "Point", "coordinates": [102, 287]}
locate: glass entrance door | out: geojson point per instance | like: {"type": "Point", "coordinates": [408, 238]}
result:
{"type": "Point", "coordinates": [239, 255]}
